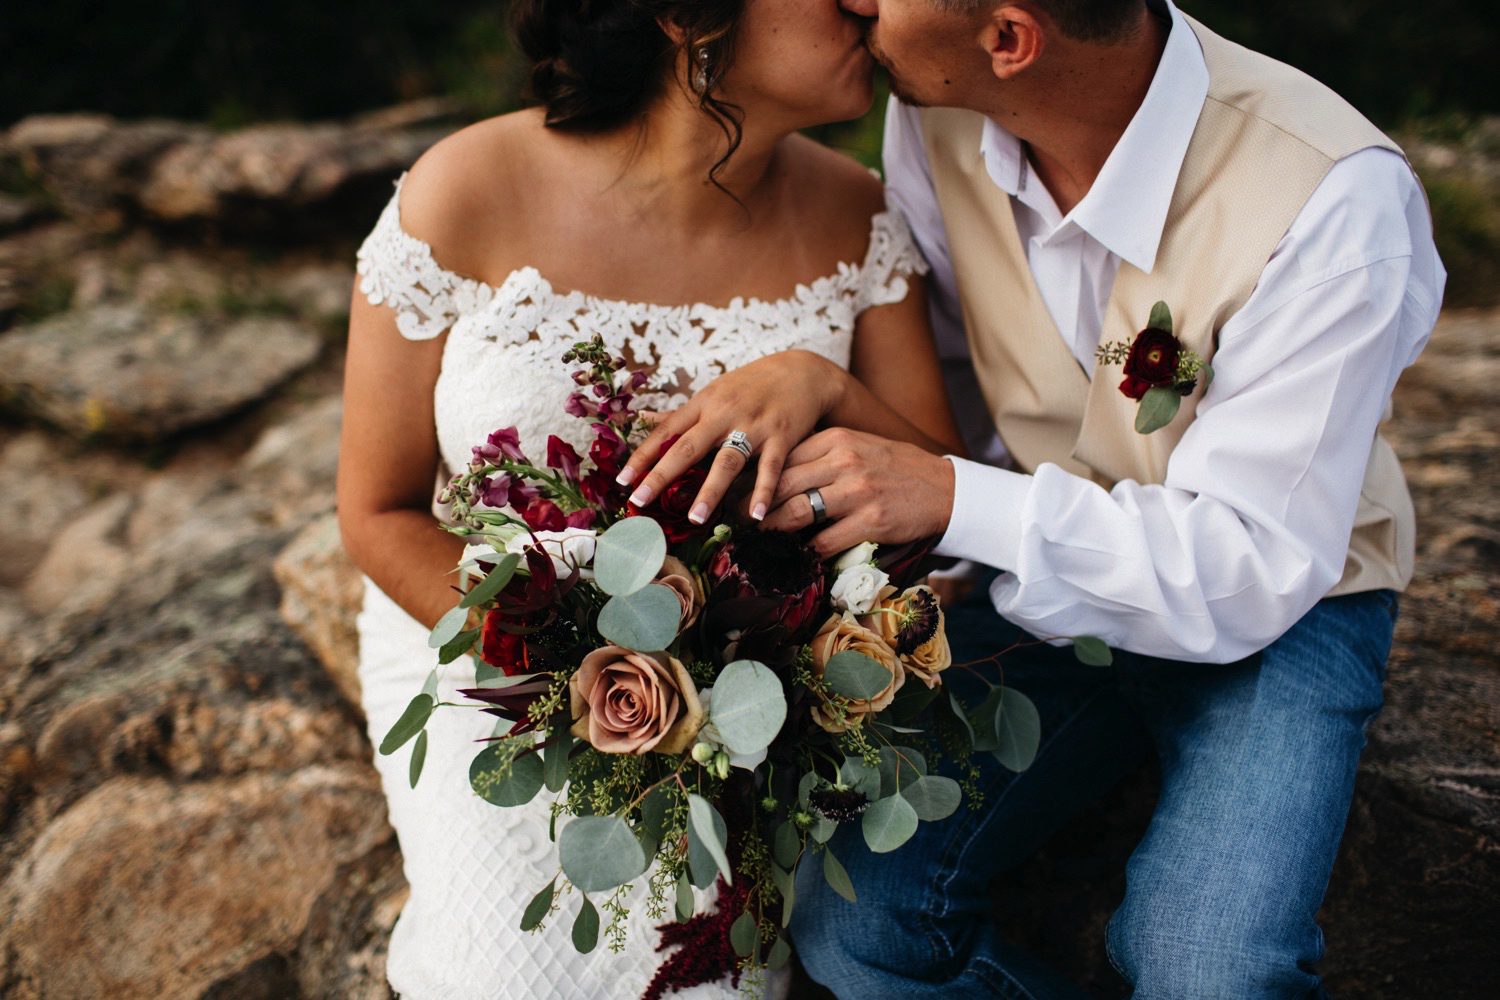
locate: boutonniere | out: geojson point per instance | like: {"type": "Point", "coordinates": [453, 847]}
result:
{"type": "Point", "coordinates": [1159, 371]}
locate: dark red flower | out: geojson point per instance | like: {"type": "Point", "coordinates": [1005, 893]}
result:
{"type": "Point", "coordinates": [671, 511]}
{"type": "Point", "coordinates": [600, 489]}
{"type": "Point", "coordinates": [544, 515]}
{"type": "Point", "coordinates": [1133, 387]}
{"type": "Point", "coordinates": [503, 443]}
{"type": "Point", "coordinates": [563, 457]}
{"type": "Point", "coordinates": [502, 649]}
{"type": "Point", "coordinates": [778, 576]}
{"type": "Point", "coordinates": [584, 518]}
{"type": "Point", "coordinates": [609, 450]}
{"type": "Point", "coordinates": [1153, 358]}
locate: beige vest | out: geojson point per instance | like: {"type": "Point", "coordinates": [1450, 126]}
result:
{"type": "Point", "coordinates": [1265, 139]}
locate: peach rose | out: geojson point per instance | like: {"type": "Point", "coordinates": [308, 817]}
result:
{"type": "Point", "coordinates": [844, 633]}
{"type": "Point", "coordinates": [629, 702]}
{"type": "Point", "coordinates": [686, 585]}
{"type": "Point", "coordinates": [912, 624]}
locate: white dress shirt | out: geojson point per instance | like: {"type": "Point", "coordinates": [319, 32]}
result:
{"type": "Point", "coordinates": [1251, 526]}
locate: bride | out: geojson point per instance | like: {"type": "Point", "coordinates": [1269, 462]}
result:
{"type": "Point", "coordinates": [659, 196]}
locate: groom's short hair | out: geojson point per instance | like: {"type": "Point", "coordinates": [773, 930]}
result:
{"type": "Point", "coordinates": [1085, 20]}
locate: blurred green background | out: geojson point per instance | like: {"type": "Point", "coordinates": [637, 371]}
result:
{"type": "Point", "coordinates": [1426, 71]}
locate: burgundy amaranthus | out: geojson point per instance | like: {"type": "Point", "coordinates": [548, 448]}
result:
{"type": "Point", "coordinates": [705, 955]}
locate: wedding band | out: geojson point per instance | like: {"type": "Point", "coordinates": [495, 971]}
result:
{"type": "Point", "coordinates": [740, 442]}
{"type": "Point", "coordinates": [815, 500]}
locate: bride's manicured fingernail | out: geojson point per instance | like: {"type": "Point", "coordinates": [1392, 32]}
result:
{"type": "Point", "coordinates": [626, 476]}
{"type": "Point", "coordinates": [699, 513]}
{"type": "Point", "coordinates": [759, 513]}
{"type": "Point", "coordinates": [642, 496]}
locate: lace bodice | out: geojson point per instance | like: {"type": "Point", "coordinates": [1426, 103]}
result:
{"type": "Point", "coordinates": [502, 362]}
{"type": "Point", "coordinates": [473, 866]}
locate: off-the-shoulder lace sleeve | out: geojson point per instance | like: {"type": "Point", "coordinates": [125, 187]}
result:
{"type": "Point", "coordinates": [398, 270]}
{"type": "Point", "coordinates": [891, 259]}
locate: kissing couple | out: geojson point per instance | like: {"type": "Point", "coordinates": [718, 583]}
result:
{"type": "Point", "coordinates": [1119, 328]}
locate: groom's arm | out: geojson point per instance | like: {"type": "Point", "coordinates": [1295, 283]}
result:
{"type": "Point", "coordinates": [1252, 523]}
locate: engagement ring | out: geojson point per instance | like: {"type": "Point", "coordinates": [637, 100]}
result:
{"type": "Point", "coordinates": [740, 442]}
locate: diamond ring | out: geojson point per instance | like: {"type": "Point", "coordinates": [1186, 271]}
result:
{"type": "Point", "coordinates": [740, 442]}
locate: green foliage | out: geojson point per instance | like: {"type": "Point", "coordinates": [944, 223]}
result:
{"type": "Point", "coordinates": [505, 773]}
{"type": "Point", "coordinates": [1466, 222]}
{"type": "Point", "coordinates": [855, 675]}
{"type": "Point", "coordinates": [417, 712]}
{"type": "Point", "coordinates": [646, 620]}
{"type": "Point", "coordinates": [1092, 651]}
{"type": "Point", "coordinates": [749, 706]}
{"type": "Point", "coordinates": [1019, 727]}
{"type": "Point", "coordinates": [599, 853]}
{"type": "Point", "coordinates": [629, 555]}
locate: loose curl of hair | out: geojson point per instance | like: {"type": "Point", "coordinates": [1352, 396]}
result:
{"type": "Point", "coordinates": [597, 64]}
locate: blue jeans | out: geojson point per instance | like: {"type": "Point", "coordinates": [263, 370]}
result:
{"type": "Point", "coordinates": [1257, 763]}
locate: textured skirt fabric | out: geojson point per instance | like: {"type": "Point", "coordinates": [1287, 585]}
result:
{"type": "Point", "coordinates": [474, 866]}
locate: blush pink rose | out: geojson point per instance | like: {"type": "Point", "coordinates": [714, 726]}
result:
{"type": "Point", "coordinates": [629, 702]}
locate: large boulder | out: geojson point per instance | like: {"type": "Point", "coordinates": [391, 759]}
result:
{"type": "Point", "coordinates": [321, 592]}
{"type": "Point", "coordinates": [127, 372]}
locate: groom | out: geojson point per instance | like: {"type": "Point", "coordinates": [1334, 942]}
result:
{"type": "Point", "coordinates": [1065, 165]}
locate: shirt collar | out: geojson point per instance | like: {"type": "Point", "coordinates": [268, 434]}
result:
{"type": "Point", "coordinates": [1126, 208]}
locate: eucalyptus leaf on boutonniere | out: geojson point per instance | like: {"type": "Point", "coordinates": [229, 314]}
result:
{"type": "Point", "coordinates": [1159, 371]}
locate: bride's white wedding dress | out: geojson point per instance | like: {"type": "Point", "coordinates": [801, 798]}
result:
{"type": "Point", "coordinates": [474, 866]}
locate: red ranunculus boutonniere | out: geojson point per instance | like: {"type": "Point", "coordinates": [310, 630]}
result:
{"type": "Point", "coordinates": [1159, 371]}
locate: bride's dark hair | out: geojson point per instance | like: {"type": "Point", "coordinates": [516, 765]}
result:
{"type": "Point", "coordinates": [597, 64]}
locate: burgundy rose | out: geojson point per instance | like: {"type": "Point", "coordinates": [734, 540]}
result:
{"type": "Point", "coordinates": [1153, 359]}
{"type": "Point", "coordinates": [775, 567]}
{"type": "Point", "coordinates": [544, 515]}
{"type": "Point", "coordinates": [671, 511]}
{"type": "Point", "coordinates": [563, 457]}
{"type": "Point", "coordinates": [1133, 387]}
{"type": "Point", "coordinates": [502, 649]}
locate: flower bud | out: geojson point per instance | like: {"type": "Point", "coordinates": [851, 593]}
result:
{"type": "Point", "coordinates": [704, 753]}
{"type": "Point", "coordinates": [721, 765]}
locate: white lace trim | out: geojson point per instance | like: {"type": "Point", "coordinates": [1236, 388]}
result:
{"type": "Point", "coordinates": [399, 270]}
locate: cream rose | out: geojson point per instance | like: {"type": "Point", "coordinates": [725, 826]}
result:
{"type": "Point", "coordinates": [857, 588]}
{"type": "Point", "coordinates": [569, 548]}
{"type": "Point", "coordinates": [864, 552]}
{"type": "Point", "coordinates": [844, 633]}
{"type": "Point", "coordinates": [628, 702]}
{"type": "Point", "coordinates": [685, 584]}
{"type": "Point", "coordinates": [912, 624]}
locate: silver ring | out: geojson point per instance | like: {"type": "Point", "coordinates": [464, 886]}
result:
{"type": "Point", "coordinates": [815, 500]}
{"type": "Point", "coordinates": [740, 442]}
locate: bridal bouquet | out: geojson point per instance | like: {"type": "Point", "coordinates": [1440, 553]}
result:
{"type": "Point", "coordinates": [707, 703]}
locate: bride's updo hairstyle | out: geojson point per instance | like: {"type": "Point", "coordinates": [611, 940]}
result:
{"type": "Point", "coordinates": [597, 64]}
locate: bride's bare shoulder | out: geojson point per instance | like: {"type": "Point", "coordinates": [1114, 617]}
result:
{"type": "Point", "coordinates": [838, 191]}
{"type": "Point", "coordinates": [461, 197]}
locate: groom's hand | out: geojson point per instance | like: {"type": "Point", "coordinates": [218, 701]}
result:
{"type": "Point", "coordinates": [874, 490]}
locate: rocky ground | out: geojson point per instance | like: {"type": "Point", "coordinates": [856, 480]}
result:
{"type": "Point", "coordinates": [187, 806]}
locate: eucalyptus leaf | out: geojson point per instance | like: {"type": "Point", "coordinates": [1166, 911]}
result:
{"type": "Point", "coordinates": [823, 830]}
{"type": "Point", "coordinates": [488, 588]}
{"type": "Point", "coordinates": [1020, 731]}
{"type": "Point", "coordinates": [781, 953]}
{"type": "Point", "coordinates": [685, 903]}
{"type": "Point", "coordinates": [856, 676]}
{"type": "Point", "coordinates": [707, 827]}
{"type": "Point", "coordinates": [899, 768]}
{"type": "Point", "coordinates": [1092, 651]}
{"type": "Point", "coordinates": [788, 896]}
{"type": "Point", "coordinates": [460, 644]}
{"type": "Point", "coordinates": [807, 784]}
{"type": "Point", "coordinates": [743, 934]}
{"type": "Point", "coordinates": [1157, 409]}
{"type": "Point", "coordinates": [555, 758]}
{"type": "Point", "coordinates": [962, 717]}
{"type": "Point", "coordinates": [448, 627]}
{"type": "Point", "coordinates": [503, 777]}
{"type": "Point", "coordinates": [539, 907]}
{"type": "Point", "coordinates": [629, 555]}
{"type": "Point", "coordinates": [1208, 375]}
{"type": "Point", "coordinates": [429, 686]}
{"type": "Point", "coordinates": [984, 720]}
{"type": "Point", "coordinates": [837, 877]}
{"type": "Point", "coordinates": [599, 853]}
{"type": "Point", "coordinates": [646, 620]}
{"type": "Point", "coordinates": [1161, 317]}
{"type": "Point", "coordinates": [654, 809]}
{"type": "Point", "coordinates": [860, 776]}
{"type": "Point", "coordinates": [748, 706]}
{"type": "Point", "coordinates": [586, 928]}
{"type": "Point", "coordinates": [888, 824]}
{"type": "Point", "coordinates": [500, 681]}
{"type": "Point", "coordinates": [933, 796]}
{"type": "Point", "coordinates": [786, 845]}
{"type": "Point", "coordinates": [412, 720]}
{"type": "Point", "coordinates": [485, 675]}
{"type": "Point", "coordinates": [418, 758]}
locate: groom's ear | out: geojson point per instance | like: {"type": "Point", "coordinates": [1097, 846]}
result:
{"type": "Point", "coordinates": [1015, 37]}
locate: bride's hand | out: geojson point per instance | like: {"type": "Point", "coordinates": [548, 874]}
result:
{"type": "Point", "coordinates": [776, 401]}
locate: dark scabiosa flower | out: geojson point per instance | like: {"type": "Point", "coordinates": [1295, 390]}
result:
{"type": "Point", "coordinates": [838, 802]}
{"type": "Point", "coordinates": [920, 622]}
{"type": "Point", "coordinates": [775, 570]}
